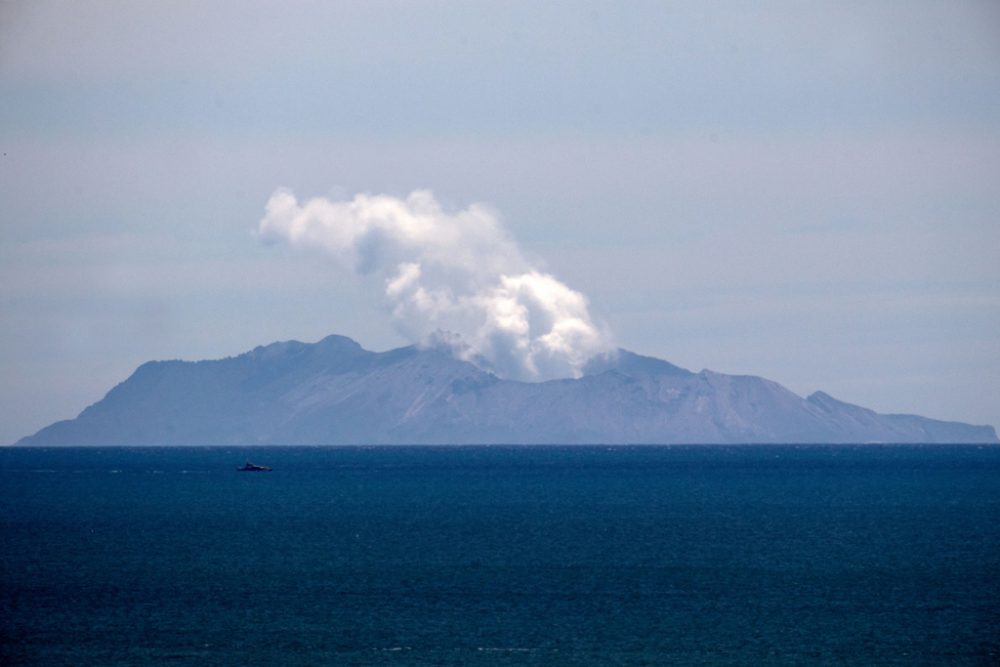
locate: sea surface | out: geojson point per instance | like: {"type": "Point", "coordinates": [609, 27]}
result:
{"type": "Point", "coordinates": [798, 555]}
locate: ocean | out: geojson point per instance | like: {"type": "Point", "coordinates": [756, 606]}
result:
{"type": "Point", "coordinates": [868, 555]}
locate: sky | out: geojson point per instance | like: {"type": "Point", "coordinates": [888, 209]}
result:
{"type": "Point", "coordinates": [804, 191]}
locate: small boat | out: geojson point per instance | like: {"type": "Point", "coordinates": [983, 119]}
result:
{"type": "Point", "coordinates": [251, 467]}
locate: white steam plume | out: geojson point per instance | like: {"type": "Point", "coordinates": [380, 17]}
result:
{"type": "Point", "coordinates": [453, 278]}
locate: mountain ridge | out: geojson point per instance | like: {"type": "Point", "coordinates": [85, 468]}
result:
{"type": "Point", "coordinates": [336, 392]}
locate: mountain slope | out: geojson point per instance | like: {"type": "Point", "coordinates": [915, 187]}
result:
{"type": "Point", "coordinates": [336, 392]}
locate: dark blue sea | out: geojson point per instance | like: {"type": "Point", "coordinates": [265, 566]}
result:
{"type": "Point", "coordinates": [798, 555]}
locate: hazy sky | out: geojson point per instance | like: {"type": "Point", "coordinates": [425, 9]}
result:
{"type": "Point", "coordinates": [804, 191]}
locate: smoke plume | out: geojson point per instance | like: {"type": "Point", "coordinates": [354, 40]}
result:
{"type": "Point", "coordinates": [449, 278]}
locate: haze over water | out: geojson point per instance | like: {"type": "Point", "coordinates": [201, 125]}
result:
{"type": "Point", "coordinates": [501, 555]}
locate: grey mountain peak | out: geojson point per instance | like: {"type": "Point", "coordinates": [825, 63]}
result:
{"type": "Point", "coordinates": [336, 392]}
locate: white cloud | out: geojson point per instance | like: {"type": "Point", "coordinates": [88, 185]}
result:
{"type": "Point", "coordinates": [454, 278]}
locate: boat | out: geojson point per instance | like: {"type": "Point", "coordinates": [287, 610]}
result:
{"type": "Point", "coordinates": [251, 467]}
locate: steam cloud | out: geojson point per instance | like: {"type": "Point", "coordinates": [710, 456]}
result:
{"type": "Point", "coordinates": [451, 278]}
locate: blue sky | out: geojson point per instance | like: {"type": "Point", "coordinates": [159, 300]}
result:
{"type": "Point", "coordinates": [804, 191]}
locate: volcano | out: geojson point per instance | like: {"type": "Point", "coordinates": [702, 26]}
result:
{"type": "Point", "coordinates": [335, 392]}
